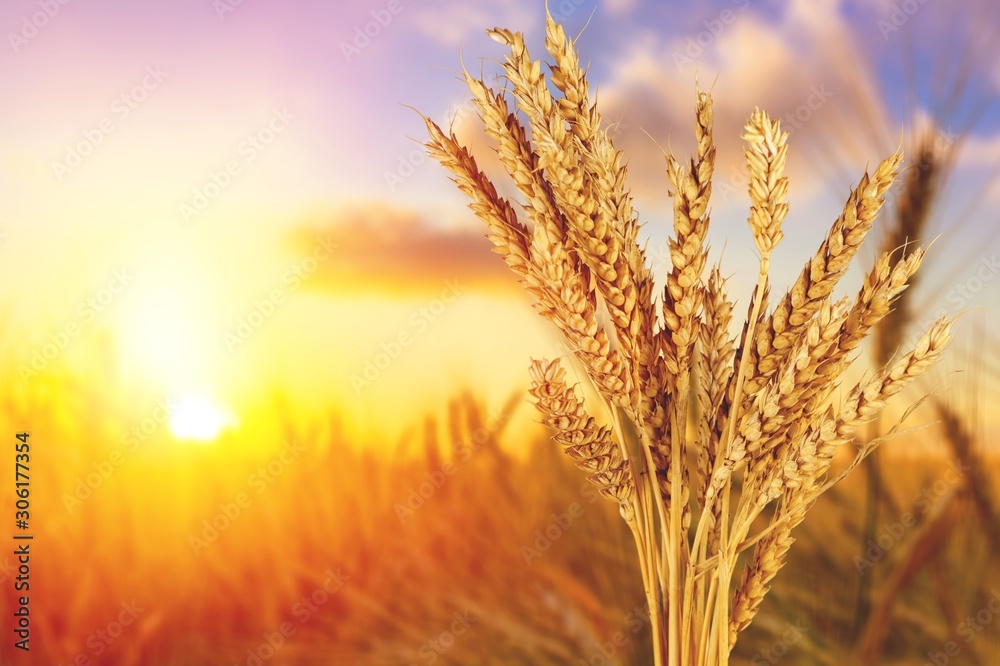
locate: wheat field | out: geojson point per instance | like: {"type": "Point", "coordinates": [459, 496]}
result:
{"type": "Point", "coordinates": [454, 523]}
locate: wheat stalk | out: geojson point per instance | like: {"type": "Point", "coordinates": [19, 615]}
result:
{"type": "Point", "coordinates": [763, 406]}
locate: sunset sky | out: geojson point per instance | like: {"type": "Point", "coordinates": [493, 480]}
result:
{"type": "Point", "coordinates": [235, 192]}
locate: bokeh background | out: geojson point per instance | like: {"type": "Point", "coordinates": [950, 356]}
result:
{"type": "Point", "coordinates": [274, 379]}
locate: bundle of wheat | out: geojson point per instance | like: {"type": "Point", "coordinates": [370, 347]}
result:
{"type": "Point", "coordinates": [768, 427]}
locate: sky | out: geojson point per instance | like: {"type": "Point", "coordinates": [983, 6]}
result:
{"type": "Point", "coordinates": [236, 193]}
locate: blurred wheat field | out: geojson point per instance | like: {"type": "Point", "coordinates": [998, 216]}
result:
{"type": "Point", "coordinates": [210, 587]}
{"type": "Point", "coordinates": [449, 531]}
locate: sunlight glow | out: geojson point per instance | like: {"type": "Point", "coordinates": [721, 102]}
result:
{"type": "Point", "coordinates": [168, 325]}
{"type": "Point", "coordinates": [200, 419]}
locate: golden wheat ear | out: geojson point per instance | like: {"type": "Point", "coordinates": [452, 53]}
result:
{"type": "Point", "coordinates": [590, 446]}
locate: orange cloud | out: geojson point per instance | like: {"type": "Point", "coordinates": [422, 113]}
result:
{"type": "Point", "coordinates": [396, 252]}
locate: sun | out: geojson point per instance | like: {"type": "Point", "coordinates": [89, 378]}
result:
{"type": "Point", "coordinates": [199, 419]}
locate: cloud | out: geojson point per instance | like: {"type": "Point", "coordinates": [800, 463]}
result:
{"type": "Point", "coordinates": [465, 20]}
{"type": "Point", "coordinates": [794, 68]}
{"type": "Point", "coordinates": [980, 151]}
{"type": "Point", "coordinates": [620, 7]}
{"type": "Point", "coordinates": [978, 162]}
{"type": "Point", "coordinates": [397, 252]}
